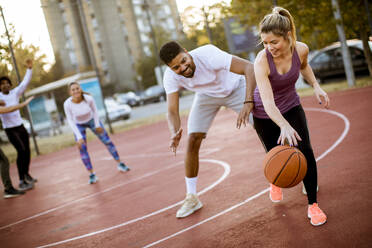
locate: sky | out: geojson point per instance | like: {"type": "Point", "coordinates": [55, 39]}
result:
{"type": "Point", "coordinates": [28, 18]}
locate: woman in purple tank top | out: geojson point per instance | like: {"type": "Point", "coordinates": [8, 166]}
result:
{"type": "Point", "coordinates": [278, 114]}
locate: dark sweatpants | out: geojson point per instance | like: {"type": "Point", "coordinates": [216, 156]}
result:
{"type": "Point", "coordinates": [269, 133]}
{"type": "Point", "coordinates": [19, 138]}
{"type": "Point", "coordinates": [4, 168]}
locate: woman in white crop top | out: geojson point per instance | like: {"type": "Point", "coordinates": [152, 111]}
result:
{"type": "Point", "coordinates": [81, 113]}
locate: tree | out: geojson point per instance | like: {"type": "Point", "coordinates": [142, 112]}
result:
{"type": "Point", "coordinates": [357, 27]}
{"type": "Point", "coordinates": [313, 18]}
{"type": "Point", "coordinates": [145, 67]}
{"type": "Point", "coordinates": [22, 52]}
{"type": "Point", "coordinates": [195, 22]}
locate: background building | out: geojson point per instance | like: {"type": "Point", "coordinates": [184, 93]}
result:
{"type": "Point", "coordinates": [118, 34]}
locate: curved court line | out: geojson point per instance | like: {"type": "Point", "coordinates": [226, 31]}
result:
{"type": "Point", "coordinates": [337, 142]}
{"type": "Point", "coordinates": [343, 135]}
{"type": "Point", "coordinates": [92, 195]}
{"type": "Point", "coordinates": [207, 151]}
{"type": "Point", "coordinates": [226, 168]}
{"type": "Point", "coordinates": [203, 152]}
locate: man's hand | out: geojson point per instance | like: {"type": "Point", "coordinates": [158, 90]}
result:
{"type": "Point", "coordinates": [175, 141]}
{"type": "Point", "coordinates": [244, 115]}
{"type": "Point", "coordinates": [28, 64]}
{"type": "Point", "coordinates": [80, 143]}
{"type": "Point", "coordinates": [28, 100]}
{"type": "Point", "coordinates": [2, 103]}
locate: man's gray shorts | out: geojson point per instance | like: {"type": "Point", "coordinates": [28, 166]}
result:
{"type": "Point", "coordinates": [205, 108]}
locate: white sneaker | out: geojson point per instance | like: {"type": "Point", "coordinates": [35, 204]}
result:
{"type": "Point", "coordinates": [189, 206]}
{"type": "Point", "coordinates": [304, 190]}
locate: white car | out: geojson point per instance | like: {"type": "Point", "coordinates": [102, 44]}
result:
{"type": "Point", "coordinates": [129, 98]}
{"type": "Point", "coordinates": [117, 111]}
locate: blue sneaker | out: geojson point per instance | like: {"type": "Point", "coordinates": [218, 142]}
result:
{"type": "Point", "coordinates": [123, 167]}
{"type": "Point", "coordinates": [92, 178]}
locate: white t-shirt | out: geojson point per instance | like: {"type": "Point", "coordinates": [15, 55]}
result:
{"type": "Point", "coordinates": [212, 74]}
{"type": "Point", "coordinates": [80, 113]}
{"type": "Point", "coordinates": [14, 119]}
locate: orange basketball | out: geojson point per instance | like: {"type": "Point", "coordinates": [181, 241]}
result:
{"type": "Point", "coordinates": [285, 166]}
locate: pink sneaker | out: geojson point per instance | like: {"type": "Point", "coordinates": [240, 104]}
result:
{"type": "Point", "coordinates": [276, 194]}
{"type": "Point", "coordinates": [316, 215]}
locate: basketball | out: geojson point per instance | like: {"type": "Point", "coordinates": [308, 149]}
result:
{"type": "Point", "coordinates": [285, 166]}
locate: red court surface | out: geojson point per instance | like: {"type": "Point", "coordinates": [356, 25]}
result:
{"type": "Point", "coordinates": [137, 208]}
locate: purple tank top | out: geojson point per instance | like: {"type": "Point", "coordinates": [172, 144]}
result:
{"type": "Point", "coordinates": [285, 95]}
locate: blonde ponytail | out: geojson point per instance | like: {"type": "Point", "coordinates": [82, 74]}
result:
{"type": "Point", "coordinates": [279, 22]}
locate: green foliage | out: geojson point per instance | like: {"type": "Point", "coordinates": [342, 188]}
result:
{"type": "Point", "coordinates": [145, 67]}
{"type": "Point", "coordinates": [194, 21]}
{"type": "Point", "coordinates": [22, 53]}
{"type": "Point", "coordinates": [314, 19]}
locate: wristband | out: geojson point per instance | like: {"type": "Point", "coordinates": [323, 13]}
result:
{"type": "Point", "coordinates": [250, 101]}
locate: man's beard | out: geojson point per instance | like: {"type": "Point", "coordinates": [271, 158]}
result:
{"type": "Point", "coordinates": [190, 75]}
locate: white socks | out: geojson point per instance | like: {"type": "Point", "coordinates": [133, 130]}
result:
{"type": "Point", "coordinates": [191, 185]}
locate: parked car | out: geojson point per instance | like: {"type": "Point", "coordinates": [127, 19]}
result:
{"type": "Point", "coordinates": [129, 98]}
{"type": "Point", "coordinates": [41, 129]}
{"type": "Point", "coordinates": [327, 62]}
{"type": "Point", "coordinates": [152, 94]}
{"type": "Point", "coordinates": [117, 111]}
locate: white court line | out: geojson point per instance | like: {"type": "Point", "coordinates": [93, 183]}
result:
{"type": "Point", "coordinates": [90, 196]}
{"type": "Point", "coordinates": [346, 129]}
{"type": "Point", "coordinates": [225, 174]}
{"type": "Point", "coordinates": [338, 141]}
{"type": "Point", "coordinates": [206, 151]}
{"type": "Point", "coordinates": [203, 152]}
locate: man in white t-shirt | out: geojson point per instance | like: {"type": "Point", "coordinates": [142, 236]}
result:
{"type": "Point", "coordinates": [13, 126]}
{"type": "Point", "coordinates": [216, 78]}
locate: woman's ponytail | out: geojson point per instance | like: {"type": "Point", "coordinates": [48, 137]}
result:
{"type": "Point", "coordinates": [279, 22]}
{"type": "Point", "coordinates": [283, 12]}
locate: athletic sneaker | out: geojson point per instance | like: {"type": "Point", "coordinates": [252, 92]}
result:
{"type": "Point", "coordinates": [276, 194]}
{"type": "Point", "coordinates": [12, 192]}
{"type": "Point", "coordinates": [24, 185]}
{"type": "Point", "coordinates": [189, 206]}
{"type": "Point", "coordinates": [30, 179]}
{"type": "Point", "coordinates": [316, 215]}
{"type": "Point", "coordinates": [123, 167]}
{"type": "Point", "coordinates": [93, 178]}
{"type": "Point", "coordinates": [304, 190]}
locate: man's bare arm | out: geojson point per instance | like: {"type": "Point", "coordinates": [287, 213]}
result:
{"type": "Point", "coordinates": [4, 110]}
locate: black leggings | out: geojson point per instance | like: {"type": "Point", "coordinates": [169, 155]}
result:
{"type": "Point", "coordinates": [18, 136]}
{"type": "Point", "coordinates": [269, 133]}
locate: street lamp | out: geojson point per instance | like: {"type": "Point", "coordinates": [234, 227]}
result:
{"type": "Point", "coordinates": [92, 57]}
{"type": "Point", "coordinates": [209, 32]}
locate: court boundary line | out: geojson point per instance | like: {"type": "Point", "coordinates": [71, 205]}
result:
{"type": "Point", "coordinates": [332, 147]}
{"type": "Point", "coordinates": [88, 196]}
{"type": "Point", "coordinates": [227, 171]}
{"type": "Point", "coordinates": [206, 152]}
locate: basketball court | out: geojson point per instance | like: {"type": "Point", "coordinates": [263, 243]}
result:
{"type": "Point", "coordinates": [138, 208]}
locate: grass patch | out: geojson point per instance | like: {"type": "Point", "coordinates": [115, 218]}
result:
{"type": "Point", "coordinates": [55, 143]}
